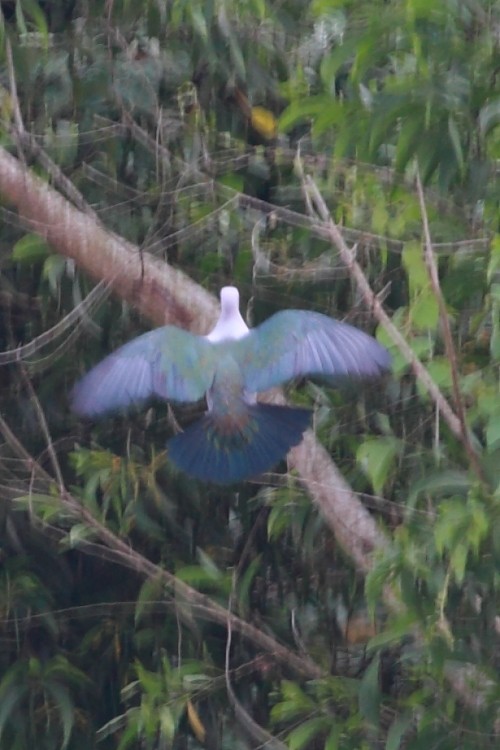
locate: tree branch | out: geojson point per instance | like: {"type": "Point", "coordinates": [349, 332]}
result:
{"type": "Point", "coordinates": [451, 354]}
{"type": "Point", "coordinates": [374, 304]}
{"type": "Point", "coordinates": [159, 292]}
{"type": "Point", "coordinates": [121, 553]}
{"type": "Point", "coordinates": [165, 294]}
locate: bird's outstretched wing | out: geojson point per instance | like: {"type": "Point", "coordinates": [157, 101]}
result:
{"type": "Point", "coordinates": [297, 343]}
{"type": "Point", "coordinates": [167, 362]}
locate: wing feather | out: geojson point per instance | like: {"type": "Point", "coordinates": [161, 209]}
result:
{"type": "Point", "coordinates": [297, 343]}
{"type": "Point", "coordinates": [168, 362]}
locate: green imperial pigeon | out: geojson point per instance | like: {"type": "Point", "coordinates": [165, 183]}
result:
{"type": "Point", "coordinates": [237, 437]}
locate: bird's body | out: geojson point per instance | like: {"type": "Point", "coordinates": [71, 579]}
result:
{"type": "Point", "coordinates": [237, 437]}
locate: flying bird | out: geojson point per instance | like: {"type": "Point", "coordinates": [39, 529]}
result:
{"type": "Point", "coordinates": [237, 437]}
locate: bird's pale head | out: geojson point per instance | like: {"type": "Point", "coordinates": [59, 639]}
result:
{"type": "Point", "coordinates": [229, 299]}
{"type": "Point", "coordinates": [230, 325]}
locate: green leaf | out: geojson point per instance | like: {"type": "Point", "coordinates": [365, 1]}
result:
{"type": "Point", "coordinates": [397, 730]}
{"type": "Point", "coordinates": [494, 261]}
{"type": "Point", "coordinates": [237, 59]}
{"type": "Point", "coordinates": [331, 114]}
{"type": "Point", "coordinates": [195, 575]}
{"type": "Point", "coordinates": [295, 703]}
{"type": "Point", "coordinates": [333, 739]}
{"type": "Point", "coordinates": [285, 711]}
{"type": "Point", "coordinates": [206, 575]}
{"type": "Point", "coordinates": [450, 524]}
{"type": "Point", "coordinates": [152, 590]}
{"type": "Point", "coordinates": [379, 218]}
{"type": "Point", "coordinates": [459, 529]}
{"type": "Point", "coordinates": [53, 270]}
{"type": "Point", "coordinates": [332, 63]}
{"type": "Point", "coordinates": [458, 561]}
{"type": "Point", "coordinates": [137, 86]}
{"type": "Point", "coordinates": [32, 8]}
{"type": "Point", "coordinates": [58, 89]}
{"type": "Point", "coordinates": [30, 248]}
{"type": "Point", "coordinates": [8, 702]}
{"type": "Point", "coordinates": [380, 574]}
{"type": "Point", "coordinates": [168, 723]}
{"type": "Point", "coordinates": [440, 370]}
{"type": "Point", "coordinates": [116, 724]}
{"type": "Point", "coordinates": [495, 335]}
{"type": "Point", "coordinates": [409, 136]}
{"type": "Point", "coordinates": [62, 144]}
{"type": "Point", "coordinates": [208, 565]}
{"type": "Point", "coordinates": [25, 502]}
{"type": "Point", "coordinates": [278, 520]}
{"type": "Point", "coordinates": [65, 709]}
{"type": "Point", "coordinates": [493, 433]}
{"type": "Point", "coordinates": [302, 109]}
{"type": "Point", "coordinates": [456, 142]}
{"type": "Point", "coordinates": [414, 264]}
{"type": "Point", "coordinates": [430, 153]}
{"type": "Point", "coordinates": [293, 692]}
{"type": "Point", "coordinates": [245, 583]}
{"type": "Point", "coordinates": [20, 20]}
{"type": "Point", "coordinates": [151, 682]}
{"type": "Point", "coordinates": [479, 523]}
{"type": "Point", "coordinates": [489, 116]}
{"type": "Point", "coordinates": [369, 695]}
{"type": "Point", "coordinates": [132, 733]}
{"type": "Point", "coordinates": [198, 20]}
{"type": "Point", "coordinates": [439, 484]}
{"type": "Point", "coordinates": [424, 311]}
{"type": "Point", "coordinates": [377, 456]}
{"type": "Point", "coordinates": [398, 629]}
{"type": "Point", "coordinates": [304, 734]}
{"type": "Point", "coordinates": [80, 532]}
{"type": "Point", "coordinates": [232, 180]}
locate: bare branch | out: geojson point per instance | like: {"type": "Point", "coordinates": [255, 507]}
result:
{"type": "Point", "coordinates": [451, 354]}
{"type": "Point", "coordinates": [164, 295]}
{"type": "Point", "coordinates": [98, 294]}
{"type": "Point", "coordinates": [455, 676]}
{"type": "Point", "coordinates": [255, 730]}
{"type": "Point", "coordinates": [374, 304]}
{"type": "Point", "coordinates": [106, 543]}
{"type": "Point", "coordinates": [45, 429]}
{"type": "Point", "coordinates": [157, 290]}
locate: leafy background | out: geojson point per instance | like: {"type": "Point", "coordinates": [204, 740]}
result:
{"type": "Point", "coordinates": [184, 128]}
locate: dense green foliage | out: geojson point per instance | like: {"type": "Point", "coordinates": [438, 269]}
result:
{"type": "Point", "coordinates": [148, 111]}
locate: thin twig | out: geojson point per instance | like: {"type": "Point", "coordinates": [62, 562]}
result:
{"type": "Point", "coordinates": [197, 604]}
{"type": "Point", "coordinates": [25, 139]}
{"type": "Point", "coordinates": [255, 730]}
{"type": "Point", "coordinates": [374, 304]}
{"type": "Point", "coordinates": [59, 179]}
{"type": "Point", "coordinates": [287, 215]}
{"type": "Point", "coordinates": [16, 109]}
{"type": "Point", "coordinates": [430, 262]}
{"type": "Point", "coordinates": [98, 294]}
{"type": "Point", "coordinates": [45, 429]}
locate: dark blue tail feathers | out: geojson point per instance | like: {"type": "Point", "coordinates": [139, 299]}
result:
{"type": "Point", "coordinates": [207, 453]}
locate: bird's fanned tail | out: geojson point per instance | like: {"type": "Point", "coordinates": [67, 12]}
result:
{"type": "Point", "coordinates": [214, 455]}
